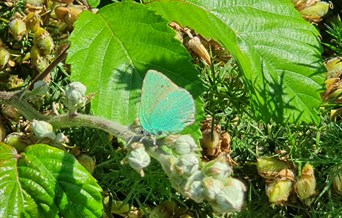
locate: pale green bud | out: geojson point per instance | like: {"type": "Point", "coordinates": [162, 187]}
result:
{"type": "Point", "coordinates": [75, 94]}
{"type": "Point", "coordinates": [40, 88]}
{"type": "Point", "coordinates": [218, 168]}
{"type": "Point", "coordinates": [43, 129]}
{"type": "Point", "coordinates": [138, 159]}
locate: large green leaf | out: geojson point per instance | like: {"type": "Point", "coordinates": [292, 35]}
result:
{"type": "Point", "coordinates": [278, 51]}
{"type": "Point", "coordinates": [44, 181]}
{"type": "Point", "coordinates": [112, 50]}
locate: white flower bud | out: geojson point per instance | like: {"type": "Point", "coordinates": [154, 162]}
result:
{"type": "Point", "coordinates": [230, 198]}
{"type": "Point", "coordinates": [138, 159]}
{"type": "Point", "coordinates": [181, 144]}
{"type": "Point", "coordinates": [187, 164]}
{"type": "Point", "coordinates": [40, 88]}
{"type": "Point", "coordinates": [75, 94]}
{"type": "Point", "coordinates": [194, 187]}
{"type": "Point", "coordinates": [212, 187]}
{"type": "Point", "coordinates": [218, 168]}
{"type": "Point", "coordinates": [43, 129]}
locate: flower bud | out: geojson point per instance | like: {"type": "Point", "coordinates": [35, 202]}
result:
{"type": "Point", "coordinates": [187, 164]}
{"type": "Point", "coordinates": [17, 28]}
{"type": "Point", "coordinates": [218, 168]}
{"type": "Point", "coordinates": [194, 187]}
{"type": "Point", "coordinates": [40, 88]}
{"type": "Point", "coordinates": [306, 184]}
{"type": "Point", "coordinates": [61, 138]}
{"type": "Point", "coordinates": [87, 161]}
{"type": "Point", "coordinates": [181, 144]}
{"type": "Point", "coordinates": [269, 167]}
{"type": "Point", "coordinates": [138, 159]}
{"type": "Point", "coordinates": [211, 187]}
{"type": "Point", "coordinates": [230, 198]}
{"type": "Point", "coordinates": [43, 129]}
{"type": "Point", "coordinates": [75, 94]}
{"type": "Point", "coordinates": [4, 56]}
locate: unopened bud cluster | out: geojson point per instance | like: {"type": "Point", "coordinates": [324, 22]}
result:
{"type": "Point", "coordinates": [212, 182]}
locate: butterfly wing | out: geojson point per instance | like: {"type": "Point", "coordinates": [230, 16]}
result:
{"type": "Point", "coordinates": [165, 107]}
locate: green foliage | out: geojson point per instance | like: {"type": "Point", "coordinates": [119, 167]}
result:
{"type": "Point", "coordinates": [276, 75]}
{"type": "Point", "coordinates": [44, 181]}
{"type": "Point", "coordinates": [284, 85]}
{"type": "Point", "coordinates": [335, 31]}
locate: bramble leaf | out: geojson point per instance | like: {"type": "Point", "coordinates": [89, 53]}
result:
{"type": "Point", "coordinates": [278, 51]}
{"type": "Point", "coordinates": [44, 181]}
{"type": "Point", "coordinates": [112, 50]}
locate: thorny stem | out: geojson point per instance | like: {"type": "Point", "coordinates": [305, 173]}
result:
{"type": "Point", "coordinates": [66, 120]}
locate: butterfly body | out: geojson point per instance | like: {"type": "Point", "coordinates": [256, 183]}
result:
{"type": "Point", "coordinates": [165, 107]}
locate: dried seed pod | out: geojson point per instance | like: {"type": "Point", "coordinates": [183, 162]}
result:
{"type": "Point", "coordinates": [280, 188]}
{"type": "Point", "coordinates": [14, 82]}
{"type": "Point", "coordinates": [306, 184]}
{"type": "Point", "coordinates": [334, 67]}
{"type": "Point", "coordinates": [35, 3]}
{"type": "Point", "coordinates": [3, 132]}
{"type": "Point", "coordinates": [69, 14]}
{"type": "Point", "coordinates": [4, 56]}
{"type": "Point", "coordinates": [43, 40]}
{"type": "Point", "coordinates": [337, 179]}
{"type": "Point", "coordinates": [17, 27]}
{"type": "Point", "coordinates": [10, 113]}
{"type": "Point", "coordinates": [87, 161]}
{"type": "Point", "coordinates": [315, 12]}
{"type": "Point", "coordinates": [33, 21]}
{"type": "Point", "coordinates": [37, 59]}
{"type": "Point", "coordinates": [196, 46]}
{"type": "Point", "coordinates": [269, 167]}
{"type": "Point", "coordinates": [18, 140]}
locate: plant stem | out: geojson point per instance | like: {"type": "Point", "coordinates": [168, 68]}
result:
{"type": "Point", "coordinates": [69, 120]}
{"type": "Point", "coordinates": [14, 99]}
{"type": "Point", "coordinates": [66, 120]}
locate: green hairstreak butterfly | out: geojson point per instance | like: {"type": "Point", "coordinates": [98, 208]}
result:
{"type": "Point", "coordinates": [164, 108]}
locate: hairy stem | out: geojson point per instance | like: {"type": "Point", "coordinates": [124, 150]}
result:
{"type": "Point", "coordinates": [66, 120]}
